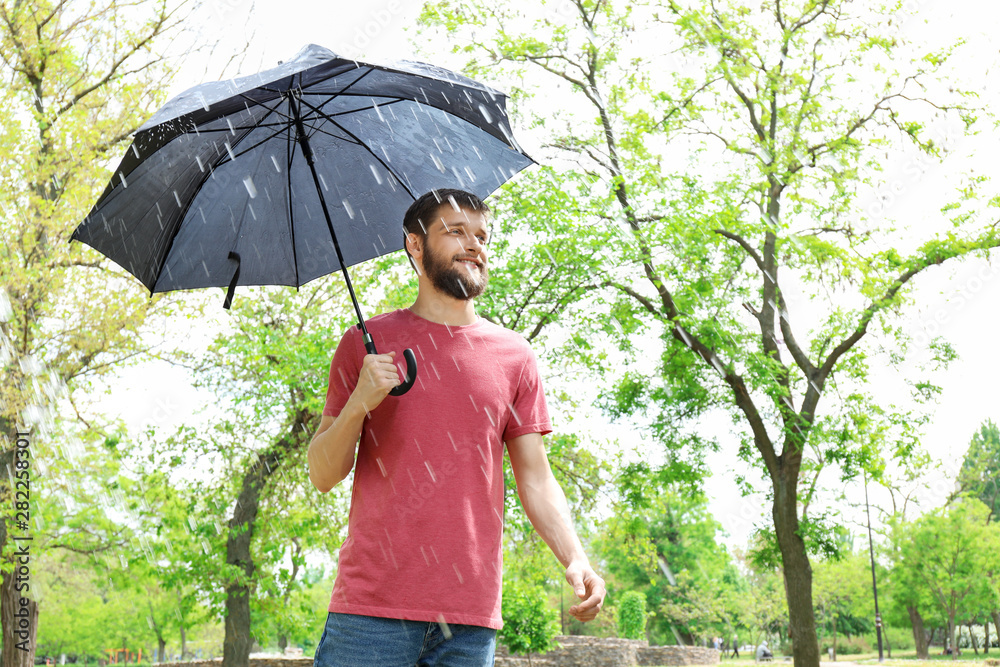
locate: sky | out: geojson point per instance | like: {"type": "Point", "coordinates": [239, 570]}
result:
{"type": "Point", "coordinates": [957, 301]}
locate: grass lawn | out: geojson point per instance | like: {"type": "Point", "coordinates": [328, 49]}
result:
{"type": "Point", "coordinates": [909, 658]}
{"type": "Point", "coordinates": [899, 659]}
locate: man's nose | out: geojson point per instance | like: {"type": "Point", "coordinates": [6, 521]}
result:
{"type": "Point", "coordinates": [473, 244]}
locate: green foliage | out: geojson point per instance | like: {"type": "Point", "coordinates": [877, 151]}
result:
{"type": "Point", "coordinates": [717, 157]}
{"type": "Point", "coordinates": [79, 78]}
{"type": "Point", "coordinates": [842, 595]}
{"type": "Point", "coordinates": [632, 615]}
{"type": "Point", "coordinates": [945, 561]}
{"type": "Point", "coordinates": [529, 624]}
{"type": "Point", "coordinates": [581, 474]}
{"type": "Point", "coordinates": [661, 541]}
{"type": "Point", "coordinates": [980, 473]}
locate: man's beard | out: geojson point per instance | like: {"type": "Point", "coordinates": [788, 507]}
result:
{"type": "Point", "coordinates": [455, 281]}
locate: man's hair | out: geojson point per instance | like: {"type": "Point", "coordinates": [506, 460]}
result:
{"type": "Point", "coordinates": [421, 212]}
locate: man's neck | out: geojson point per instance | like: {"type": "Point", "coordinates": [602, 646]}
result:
{"type": "Point", "coordinates": [444, 309]}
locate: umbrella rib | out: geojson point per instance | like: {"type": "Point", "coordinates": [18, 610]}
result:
{"type": "Point", "coordinates": [218, 130]}
{"type": "Point", "coordinates": [290, 153]}
{"type": "Point", "coordinates": [392, 100]}
{"type": "Point", "coordinates": [342, 91]}
{"type": "Point", "coordinates": [281, 127]}
{"type": "Point", "coordinates": [320, 130]}
{"type": "Point", "coordinates": [363, 145]}
{"type": "Point", "coordinates": [211, 172]}
{"type": "Point", "coordinates": [250, 148]}
{"type": "Point", "coordinates": [270, 110]}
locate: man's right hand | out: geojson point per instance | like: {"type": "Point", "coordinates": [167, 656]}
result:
{"type": "Point", "coordinates": [377, 378]}
{"type": "Point", "coordinates": [332, 449]}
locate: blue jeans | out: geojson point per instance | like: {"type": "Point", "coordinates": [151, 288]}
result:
{"type": "Point", "coordinates": [351, 640]}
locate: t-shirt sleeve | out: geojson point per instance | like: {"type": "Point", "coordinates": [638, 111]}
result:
{"type": "Point", "coordinates": [344, 370]}
{"type": "Point", "coordinates": [528, 413]}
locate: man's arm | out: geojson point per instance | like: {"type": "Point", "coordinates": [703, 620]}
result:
{"type": "Point", "coordinates": [545, 504]}
{"type": "Point", "coordinates": [332, 449]}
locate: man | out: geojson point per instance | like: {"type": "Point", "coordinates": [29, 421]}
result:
{"type": "Point", "coordinates": [420, 574]}
{"type": "Point", "coordinates": [763, 652]}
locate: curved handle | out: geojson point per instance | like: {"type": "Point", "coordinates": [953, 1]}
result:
{"type": "Point", "coordinates": [411, 374]}
{"type": "Point", "coordinates": [411, 368]}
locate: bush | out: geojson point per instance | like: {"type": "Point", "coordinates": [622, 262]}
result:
{"type": "Point", "coordinates": [632, 615]}
{"type": "Point", "coordinates": [529, 625]}
{"type": "Point", "coordinates": [853, 646]}
{"type": "Point", "coordinates": [901, 639]}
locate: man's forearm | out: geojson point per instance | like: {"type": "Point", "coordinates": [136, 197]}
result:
{"type": "Point", "coordinates": [331, 452]}
{"type": "Point", "coordinates": [546, 508]}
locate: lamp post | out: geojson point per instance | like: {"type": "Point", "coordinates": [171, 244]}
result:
{"type": "Point", "coordinates": [871, 552]}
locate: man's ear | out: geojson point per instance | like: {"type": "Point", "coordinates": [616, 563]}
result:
{"type": "Point", "coordinates": [413, 245]}
{"type": "Point", "coordinates": [415, 248]}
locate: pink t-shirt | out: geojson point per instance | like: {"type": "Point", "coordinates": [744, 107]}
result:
{"type": "Point", "coordinates": [426, 520]}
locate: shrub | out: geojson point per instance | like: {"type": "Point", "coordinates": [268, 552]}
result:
{"type": "Point", "coordinates": [632, 615]}
{"type": "Point", "coordinates": [529, 625]}
{"type": "Point", "coordinates": [853, 646]}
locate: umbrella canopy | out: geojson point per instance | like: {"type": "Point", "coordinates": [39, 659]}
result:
{"type": "Point", "coordinates": [284, 176]}
{"type": "Point", "coordinates": [217, 183]}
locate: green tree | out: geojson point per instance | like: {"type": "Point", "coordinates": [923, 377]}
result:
{"type": "Point", "coordinates": [764, 610]}
{"type": "Point", "coordinates": [949, 555]}
{"type": "Point", "coordinates": [843, 596]}
{"type": "Point", "coordinates": [980, 473]}
{"type": "Point", "coordinates": [80, 77]}
{"type": "Point", "coordinates": [660, 539]}
{"type": "Point", "coordinates": [632, 615]}
{"type": "Point", "coordinates": [980, 478]}
{"type": "Point", "coordinates": [580, 473]}
{"type": "Point", "coordinates": [772, 141]}
{"type": "Point", "coordinates": [529, 624]}
{"type": "Point", "coordinates": [269, 370]}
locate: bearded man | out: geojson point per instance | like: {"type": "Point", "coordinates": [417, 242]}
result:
{"type": "Point", "coordinates": [420, 573]}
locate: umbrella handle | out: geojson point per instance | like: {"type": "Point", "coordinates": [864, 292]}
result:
{"type": "Point", "coordinates": [411, 374]}
{"type": "Point", "coordinates": [411, 369]}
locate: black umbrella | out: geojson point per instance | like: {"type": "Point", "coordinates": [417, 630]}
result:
{"type": "Point", "coordinates": [284, 176]}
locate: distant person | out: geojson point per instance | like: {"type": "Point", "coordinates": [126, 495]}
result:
{"type": "Point", "coordinates": [764, 653]}
{"type": "Point", "coordinates": [736, 646]}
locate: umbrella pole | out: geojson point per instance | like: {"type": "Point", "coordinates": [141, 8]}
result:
{"type": "Point", "coordinates": [300, 135]}
{"type": "Point", "coordinates": [411, 360]}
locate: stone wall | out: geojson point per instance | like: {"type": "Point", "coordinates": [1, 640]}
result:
{"type": "Point", "coordinates": [677, 655]}
{"type": "Point", "coordinates": [576, 651]}
{"type": "Point", "coordinates": [573, 651]}
{"type": "Point", "coordinates": [276, 661]}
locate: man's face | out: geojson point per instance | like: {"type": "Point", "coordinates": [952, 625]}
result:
{"type": "Point", "coordinates": [454, 257]}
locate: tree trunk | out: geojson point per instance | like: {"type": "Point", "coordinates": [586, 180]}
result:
{"type": "Point", "coordinates": [183, 642]}
{"type": "Point", "coordinates": [952, 634]}
{"type": "Point", "coordinates": [972, 639]}
{"type": "Point", "coordinates": [158, 631]}
{"type": "Point", "coordinates": [797, 574]}
{"type": "Point", "coordinates": [282, 642]}
{"type": "Point", "coordinates": [236, 646]}
{"type": "Point", "coordinates": [19, 622]}
{"type": "Point", "coordinates": [835, 638]}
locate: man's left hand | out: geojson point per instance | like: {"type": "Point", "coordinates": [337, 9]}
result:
{"type": "Point", "coordinates": [589, 588]}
